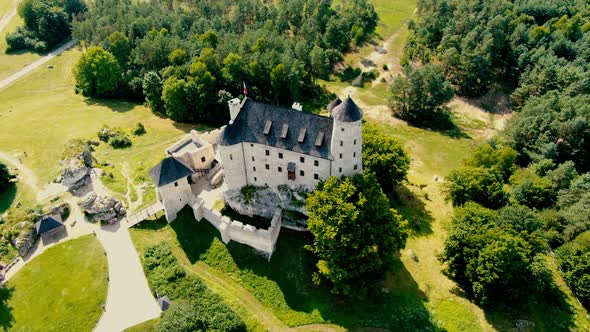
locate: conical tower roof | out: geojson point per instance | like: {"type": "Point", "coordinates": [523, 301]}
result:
{"type": "Point", "coordinates": [347, 111]}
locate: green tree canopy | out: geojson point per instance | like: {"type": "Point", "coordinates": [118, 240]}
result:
{"type": "Point", "coordinates": [4, 177]}
{"type": "Point", "coordinates": [384, 156]}
{"type": "Point", "coordinates": [491, 260]}
{"type": "Point", "coordinates": [476, 184]}
{"type": "Point", "coordinates": [97, 73]}
{"type": "Point", "coordinates": [356, 234]}
{"type": "Point", "coordinates": [419, 96]}
{"type": "Point", "coordinates": [181, 316]}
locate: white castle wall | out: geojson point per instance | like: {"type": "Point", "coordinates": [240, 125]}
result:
{"type": "Point", "coordinates": [255, 160]}
{"type": "Point", "coordinates": [260, 239]}
{"type": "Point", "coordinates": [346, 146]}
{"type": "Point", "coordinates": [174, 196]}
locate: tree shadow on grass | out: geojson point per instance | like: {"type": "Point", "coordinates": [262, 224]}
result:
{"type": "Point", "coordinates": [115, 105]}
{"type": "Point", "coordinates": [284, 284]}
{"type": "Point", "coordinates": [6, 317]}
{"type": "Point", "coordinates": [547, 313]}
{"type": "Point", "coordinates": [7, 197]}
{"type": "Point", "coordinates": [413, 209]}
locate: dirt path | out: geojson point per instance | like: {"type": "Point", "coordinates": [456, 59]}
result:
{"type": "Point", "coordinates": [131, 204]}
{"type": "Point", "coordinates": [6, 19]}
{"type": "Point", "coordinates": [28, 177]}
{"type": "Point", "coordinates": [14, 77]}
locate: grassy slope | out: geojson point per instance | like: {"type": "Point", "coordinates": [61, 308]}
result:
{"type": "Point", "coordinates": [6, 6]}
{"type": "Point", "coordinates": [61, 290]}
{"type": "Point", "coordinates": [11, 63]}
{"type": "Point", "coordinates": [41, 112]}
{"type": "Point", "coordinates": [147, 326]}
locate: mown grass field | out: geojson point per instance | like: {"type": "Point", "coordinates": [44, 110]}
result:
{"type": "Point", "coordinates": [6, 6]}
{"type": "Point", "coordinates": [13, 62]}
{"type": "Point", "coordinates": [60, 290]}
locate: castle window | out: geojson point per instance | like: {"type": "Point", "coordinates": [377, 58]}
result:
{"type": "Point", "coordinates": [302, 159]}
{"type": "Point", "coordinates": [267, 152]}
{"type": "Point", "coordinates": [280, 155]}
{"type": "Point", "coordinates": [231, 157]}
{"type": "Point", "coordinates": [355, 167]}
{"type": "Point", "coordinates": [354, 154]}
{"type": "Point", "coordinates": [340, 170]}
{"type": "Point", "coordinates": [341, 156]}
{"type": "Point", "coordinates": [301, 173]}
{"type": "Point", "coordinates": [280, 169]}
{"type": "Point", "coordinates": [316, 163]}
{"type": "Point", "coordinates": [252, 158]}
{"type": "Point", "coordinates": [354, 141]}
{"type": "Point", "coordinates": [203, 159]}
{"type": "Point", "coordinates": [254, 168]}
{"type": "Point", "coordinates": [342, 129]}
{"type": "Point", "coordinates": [176, 184]}
{"type": "Point", "coordinates": [341, 143]}
{"type": "Point", "coordinates": [251, 145]}
{"type": "Point", "coordinates": [316, 177]}
{"type": "Point", "coordinates": [255, 179]}
{"type": "Point", "coordinates": [267, 166]}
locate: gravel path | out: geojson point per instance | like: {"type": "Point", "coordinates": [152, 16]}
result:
{"type": "Point", "coordinates": [129, 299]}
{"type": "Point", "coordinates": [4, 83]}
{"type": "Point", "coordinates": [4, 20]}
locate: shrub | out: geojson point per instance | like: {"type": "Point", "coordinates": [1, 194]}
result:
{"type": "Point", "coordinates": [139, 129]}
{"type": "Point", "coordinates": [116, 137]}
{"type": "Point", "coordinates": [199, 306]}
{"type": "Point", "coordinates": [4, 177]}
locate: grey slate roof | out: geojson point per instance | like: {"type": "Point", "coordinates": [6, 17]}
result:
{"type": "Point", "coordinates": [250, 123]}
{"type": "Point", "coordinates": [333, 104]}
{"type": "Point", "coordinates": [163, 302]}
{"type": "Point", "coordinates": [347, 111]}
{"type": "Point", "coordinates": [168, 171]}
{"type": "Point", "coordinates": [48, 223]}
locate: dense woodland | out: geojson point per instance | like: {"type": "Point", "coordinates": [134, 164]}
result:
{"type": "Point", "coordinates": [186, 61]}
{"type": "Point", "coordinates": [529, 189]}
{"type": "Point", "coordinates": [47, 23]}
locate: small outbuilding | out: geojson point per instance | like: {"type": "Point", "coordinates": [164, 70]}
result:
{"type": "Point", "coordinates": [163, 302]}
{"type": "Point", "coordinates": [49, 224]}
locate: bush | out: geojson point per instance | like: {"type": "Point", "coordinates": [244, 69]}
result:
{"type": "Point", "coordinates": [196, 308]}
{"type": "Point", "coordinates": [4, 177]}
{"type": "Point", "coordinates": [116, 137]}
{"type": "Point", "coordinates": [139, 129]}
{"type": "Point", "coordinates": [477, 184]}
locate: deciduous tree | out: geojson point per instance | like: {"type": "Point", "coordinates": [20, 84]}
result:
{"type": "Point", "coordinates": [97, 73]}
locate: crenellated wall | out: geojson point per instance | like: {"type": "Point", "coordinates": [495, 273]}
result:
{"type": "Point", "coordinates": [260, 239]}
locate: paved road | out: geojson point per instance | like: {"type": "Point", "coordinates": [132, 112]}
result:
{"type": "Point", "coordinates": [129, 299]}
{"type": "Point", "coordinates": [4, 20]}
{"type": "Point", "coordinates": [29, 68]}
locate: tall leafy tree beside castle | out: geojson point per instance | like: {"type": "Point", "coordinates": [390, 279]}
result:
{"type": "Point", "coordinates": [356, 233]}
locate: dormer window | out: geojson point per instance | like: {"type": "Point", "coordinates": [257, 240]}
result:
{"type": "Point", "coordinates": [267, 127]}
{"type": "Point", "coordinates": [284, 131]}
{"type": "Point", "coordinates": [301, 136]}
{"type": "Point", "coordinates": [320, 139]}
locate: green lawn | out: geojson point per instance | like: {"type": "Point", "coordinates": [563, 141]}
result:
{"type": "Point", "coordinates": [147, 326]}
{"type": "Point", "coordinates": [11, 63]}
{"type": "Point", "coordinates": [41, 112]}
{"type": "Point", "coordinates": [61, 290]}
{"type": "Point", "coordinates": [6, 6]}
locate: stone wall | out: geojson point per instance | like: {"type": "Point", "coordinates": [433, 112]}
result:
{"type": "Point", "coordinates": [175, 196]}
{"type": "Point", "coordinates": [263, 240]}
{"type": "Point", "coordinates": [346, 147]}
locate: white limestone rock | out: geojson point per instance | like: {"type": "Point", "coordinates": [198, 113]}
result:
{"type": "Point", "coordinates": [264, 201]}
{"type": "Point", "coordinates": [76, 168]}
{"type": "Point", "coordinates": [26, 238]}
{"type": "Point", "coordinates": [102, 208]}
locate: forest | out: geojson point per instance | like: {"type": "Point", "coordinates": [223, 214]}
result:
{"type": "Point", "coordinates": [187, 61]}
{"type": "Point", "coordinates": [528, 189]}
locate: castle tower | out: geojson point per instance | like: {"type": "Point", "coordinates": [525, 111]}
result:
{"type": "Point", "coordinates": [347, 139]}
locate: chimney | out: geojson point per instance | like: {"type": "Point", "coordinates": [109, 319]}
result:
{"type": "Point", "coordinates": [234, 108]}
{"type": "Point", "coordinates": [297, 106]}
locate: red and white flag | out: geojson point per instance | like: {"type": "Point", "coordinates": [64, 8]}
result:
{"type": "Point", "coordinates": [245, 88]}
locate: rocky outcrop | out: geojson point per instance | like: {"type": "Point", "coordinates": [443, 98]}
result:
{"type": "Point", "coordinates": [76, 164]}
{"type": "Point", "coordinates": [264, 201]}
{"type": "Point", "coordinates": [102, 208]}
{"type": "Point", "coordinates": [26, 238]}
